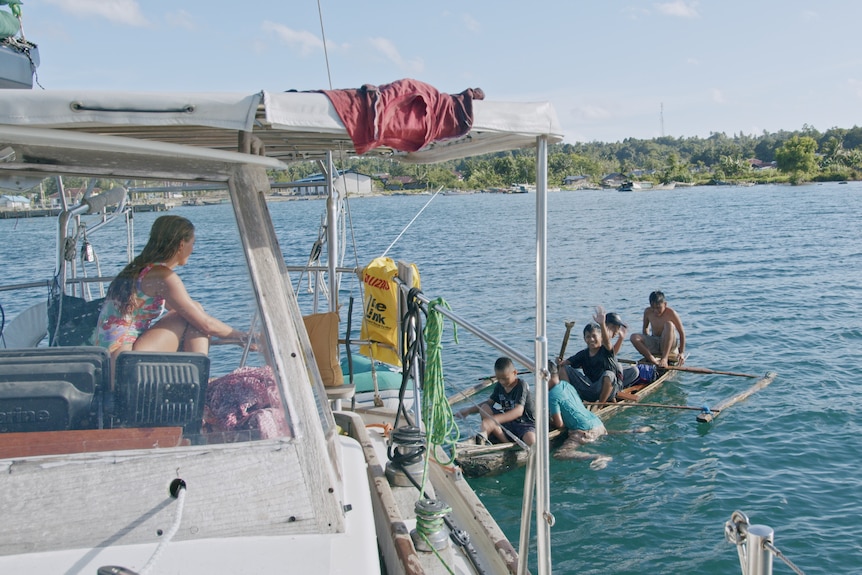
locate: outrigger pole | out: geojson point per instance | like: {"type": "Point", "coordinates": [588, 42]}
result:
{"type": "Point", "coordinates": [708, 416]}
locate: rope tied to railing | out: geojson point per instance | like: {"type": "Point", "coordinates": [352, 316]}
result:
{"type": "Point", "coordinates": [437, 414]}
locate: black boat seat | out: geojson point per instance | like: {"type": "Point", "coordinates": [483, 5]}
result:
{"type": "Point", "coordinates": [77, 322]}
{"type": "Point", "coordinates": [52, 389]}
{"type": "Point", "coordinates": [155, 389]}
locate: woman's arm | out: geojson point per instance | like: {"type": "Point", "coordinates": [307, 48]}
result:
{"type": "Point", "coordinates": [164, 282]}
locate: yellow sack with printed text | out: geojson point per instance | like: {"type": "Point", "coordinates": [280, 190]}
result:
{"type": "Point", "coordinates": [380, 318]}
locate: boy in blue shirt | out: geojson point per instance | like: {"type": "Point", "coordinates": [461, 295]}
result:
{"type": "Point", "coordinates": [565, 409]}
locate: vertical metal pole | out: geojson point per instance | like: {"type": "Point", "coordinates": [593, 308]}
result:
{"type": "Point", "coordinates": [526, 511]}
{"type": "Point", "coordinates": [544, 518]}
{"type": "Point", "coordinates": [332, 232]}
{"type": "Point", "coordinates": [758, 557]}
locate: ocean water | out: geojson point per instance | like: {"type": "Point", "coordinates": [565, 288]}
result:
{"type": "Point", "coordinates": [767, 278]}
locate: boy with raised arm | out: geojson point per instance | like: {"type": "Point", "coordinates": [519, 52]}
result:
{"type": "Point", "coordinates": [663, 337]}
{"type": "Point", "coordinates": [599, 378]}
{"type": "Point", "coordinates": [515, 415]}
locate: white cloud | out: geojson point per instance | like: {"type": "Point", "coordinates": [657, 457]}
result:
{"type": "Point", "coordinates": [119, 11]}
{"type": "Point", "coordinates": [718, 96]}
{"type": "Point", "coordinates": [590, 113]}
{"type": "Point", "coordinates": [471, 23]}
{"type": "Point", "coordinates": [305, 41]}
{"type": "Point", "coordinates": [181, 19]}
{"type": "Point", "coordinates": [680, 8]}
{"type": "Point", "coordinates": [856, 86]}
{"type": "Point", "coordinates": [809, 16]}
{"type": "Point", "coordinates": [692, 61]}
{"type": "Point", "coordinates": [389, 51]}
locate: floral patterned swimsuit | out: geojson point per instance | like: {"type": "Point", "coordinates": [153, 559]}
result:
{"type": "Point", "coordinates": [116, 330]}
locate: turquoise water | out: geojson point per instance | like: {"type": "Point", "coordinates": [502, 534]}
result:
{"type": "Point", "coordinates": [765, 278]}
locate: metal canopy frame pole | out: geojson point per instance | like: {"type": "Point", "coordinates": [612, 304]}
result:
{"type": "Point", "coordinates": [544, 518]}
{"type": "Point", "coordinates": [332, 232]}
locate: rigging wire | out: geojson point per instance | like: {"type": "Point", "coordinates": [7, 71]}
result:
{"type": "Point", "coordinates": [398, 237]}
{"type": "Point", "coordinates": [325, 51]}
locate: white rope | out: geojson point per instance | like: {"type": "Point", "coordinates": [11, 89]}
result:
{"type": "Point", "coordinates": [181, 498]}
{"type": "Point", "coordinates": [411, 222]}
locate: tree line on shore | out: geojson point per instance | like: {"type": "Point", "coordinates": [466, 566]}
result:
{"type": "Point", "coordinates": [798, 156]}
{"type": "Point", "coordinates": [784, 156]}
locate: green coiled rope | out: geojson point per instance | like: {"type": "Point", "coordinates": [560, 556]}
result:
{"type": "Point", "coordinates": [440, 427]}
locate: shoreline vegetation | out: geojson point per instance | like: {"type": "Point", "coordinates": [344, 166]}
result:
{"type": "Point", "coordinates": [783, 157]}
{"type": "Point", "coordinates": [769, 158]}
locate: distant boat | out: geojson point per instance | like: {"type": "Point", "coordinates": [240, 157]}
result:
{"type": "Point", "coordinates": [644, 186]}
{"type": "Point", "coordinates": [521, 189]}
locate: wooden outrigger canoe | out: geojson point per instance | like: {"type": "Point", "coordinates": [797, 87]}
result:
{"type": "Point", "coordinates": [478, 460]}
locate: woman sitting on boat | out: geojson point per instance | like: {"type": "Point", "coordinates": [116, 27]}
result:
{"type": "Point", "coordinates": [147, 307]}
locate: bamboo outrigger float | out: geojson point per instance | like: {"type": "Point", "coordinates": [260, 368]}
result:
{"type": "Point", "coordinates": [478, 460]}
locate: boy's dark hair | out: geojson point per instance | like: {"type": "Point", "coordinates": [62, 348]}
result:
{"type": "Point", "coordinates": [503, 364]}
{"type": "Point", "coordinates": [552, 367]}
{"type": "Point", "coordinates": [656, 297]}
{"type": "Point", "coordinates": [590, 328]}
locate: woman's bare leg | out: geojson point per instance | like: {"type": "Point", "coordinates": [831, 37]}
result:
{"type": "Point", "coordinates": [166, 335]}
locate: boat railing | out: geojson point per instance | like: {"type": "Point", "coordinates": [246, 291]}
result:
{"type": "Point", "coordinates": [340, 270]}
{"type": "Point", "coordinates": [755, 545]}
{"type": "Point", "coordinates": [475, 330]}
{"type": "Point", "coordinates": [49, 283]}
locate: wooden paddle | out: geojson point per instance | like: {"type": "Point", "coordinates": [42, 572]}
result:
{"type": "Point", "coordinates": [470, 391]}
{"type": "Point", "coordinates": [569, 326]}
{"type": "Point", "coordinates": [696, 369]}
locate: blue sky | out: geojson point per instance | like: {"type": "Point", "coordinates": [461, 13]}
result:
{"type": "Point", "coordinates": [606, 65]}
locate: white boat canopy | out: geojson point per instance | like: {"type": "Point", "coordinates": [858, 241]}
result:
{"type": "Point", "coordinates": [289, 126]}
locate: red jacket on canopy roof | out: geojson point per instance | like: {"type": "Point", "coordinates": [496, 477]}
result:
{"type": "Point", "coordinates": [405, 115]}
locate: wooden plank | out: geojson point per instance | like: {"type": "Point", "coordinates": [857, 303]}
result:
{"type": "Point", "coordinates": [758, 385]}
{"type": "Point", "coordinates": [14, 445]}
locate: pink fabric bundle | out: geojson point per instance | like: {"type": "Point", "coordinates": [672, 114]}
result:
{"type": "Point", "coordinates": [245, 399]}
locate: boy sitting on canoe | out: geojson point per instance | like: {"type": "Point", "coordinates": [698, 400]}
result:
{"type": "Point", "coordinates": [565, 409]}
{"type": "Point", "coordinates": [600, 378]}
{"type": "Point", "coordinates": [516, 414]}
{"type": "Point", "coordinates": [663, 337]}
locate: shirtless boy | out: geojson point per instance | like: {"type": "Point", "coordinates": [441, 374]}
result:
{"type": "Point", "coordinates": [663, 337]}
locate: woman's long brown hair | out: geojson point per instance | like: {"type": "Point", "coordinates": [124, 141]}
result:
{"type": "Point", "coordinates": [165, 237]}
